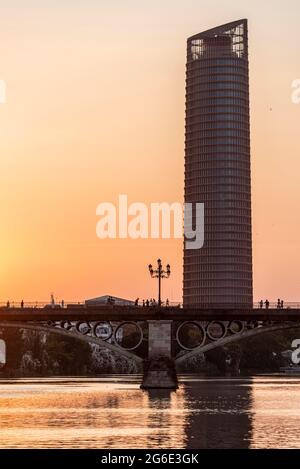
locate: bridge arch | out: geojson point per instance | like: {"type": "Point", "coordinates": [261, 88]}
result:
{"type": "Point", "coordinates": [75, 335]}
{"type": "Point", "coordinates": [235, 338]}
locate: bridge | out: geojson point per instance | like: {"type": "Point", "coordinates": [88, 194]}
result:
{"type": "Point", "coordinates": [170, 335]}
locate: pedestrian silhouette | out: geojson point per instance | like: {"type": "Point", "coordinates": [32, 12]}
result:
{"type": "Point", "coordinates": [267, 303]}
{"type": "Point", "coordinates": [22, 304]}
{"type": "Point", "coordinates": [147, 302]}
{"type": "Point", "coordinates": [278, 303]}
{"type": "Point", "coordinates": [167, 302]}
{"type": "Point", "coordinates": [143, 302]}
{"type": "Point", "coordinates": [281, 304]}
{"type": "Point", "coordinates": [261, 304]}
{"type": "Point", "coordinates": [8, 304]}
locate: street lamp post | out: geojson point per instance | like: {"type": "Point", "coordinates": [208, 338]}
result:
{"type": "Point", "coordinates": [159, 273]}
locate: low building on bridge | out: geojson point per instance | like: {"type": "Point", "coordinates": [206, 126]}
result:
{"type": "Point", "coordinates": [109, 299]}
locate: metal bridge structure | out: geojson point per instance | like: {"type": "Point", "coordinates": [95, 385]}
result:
{"type": "Point", "coordinates": [149, 333]}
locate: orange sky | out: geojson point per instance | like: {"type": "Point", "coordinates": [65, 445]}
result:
{"type": "Point", "coordinates": [95, 108]}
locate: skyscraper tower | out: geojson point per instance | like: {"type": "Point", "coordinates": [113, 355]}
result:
{"type": "Point", "coordinates": [217, 167]}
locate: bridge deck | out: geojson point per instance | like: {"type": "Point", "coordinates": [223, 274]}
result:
{"type": "Point", "coordinates": [129, 313]}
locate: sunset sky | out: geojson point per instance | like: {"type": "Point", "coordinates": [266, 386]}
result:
{"type": "Point", "coordinates": [95, 108]}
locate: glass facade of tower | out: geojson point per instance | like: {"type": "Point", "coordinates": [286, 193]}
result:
{"type": "Point", "coordinates": [217, 167]}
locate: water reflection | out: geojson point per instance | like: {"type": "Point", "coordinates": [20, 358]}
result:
{"type": "Point", "coordinates": [277, 413]}
{"type": "Point", "coordinates": [167, 417]}
{"type": "Point", "coordinates": [115, 413]}
{"type": "Point", "coordinates": [220, 413]}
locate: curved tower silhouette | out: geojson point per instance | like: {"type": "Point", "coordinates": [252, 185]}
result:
{"type": "Point", "coordinates": [217, 167]}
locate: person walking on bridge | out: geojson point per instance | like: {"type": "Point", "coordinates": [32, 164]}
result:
{"type": "Point", "coordinates": [267, 303]}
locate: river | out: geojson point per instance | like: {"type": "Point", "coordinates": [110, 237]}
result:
{"type": "Point", "coordinates": [112, 412]}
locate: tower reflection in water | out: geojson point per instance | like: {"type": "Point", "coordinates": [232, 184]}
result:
{"type": "Point", "coordinates": [219, 413]}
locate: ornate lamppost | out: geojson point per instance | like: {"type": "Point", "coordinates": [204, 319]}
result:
{"type": "Point", "coordinates": [159, 273]}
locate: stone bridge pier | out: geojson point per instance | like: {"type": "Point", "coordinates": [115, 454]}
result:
{"type": "Point", "coordinates": [159, 369]}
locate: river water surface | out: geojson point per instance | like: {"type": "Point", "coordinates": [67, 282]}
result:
{"type": "Point", "coordinates": [112, 412]}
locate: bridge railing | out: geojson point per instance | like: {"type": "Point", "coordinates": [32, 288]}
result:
{"type": "Point", "coordinates": [39, 304]}
{"type": "Point", "coordinates": [82, 304]}
{"type": "Point", "coordinates": [79, 304]}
